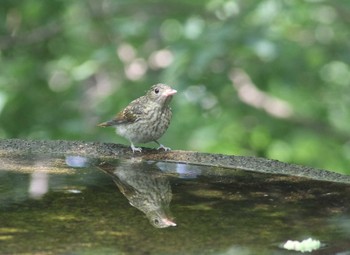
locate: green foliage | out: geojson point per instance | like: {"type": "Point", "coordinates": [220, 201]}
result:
{"type": "Point", "coordinates": [266, 78]}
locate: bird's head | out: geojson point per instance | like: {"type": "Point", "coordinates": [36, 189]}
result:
{"type": "Point", "coordinates": [161, 94]}
{"type": "Point", "coordinates": [160, 220]}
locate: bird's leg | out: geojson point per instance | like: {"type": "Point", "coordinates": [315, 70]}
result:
{"type": "Point", "coordinates": [135, 148]}
{"type": "Point", "coordinates": [161, 146]}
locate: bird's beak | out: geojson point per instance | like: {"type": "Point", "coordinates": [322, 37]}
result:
{"type": "Point", "coordinates": [168, 222]}
{"type": "Point", "coordinates": [170, 92]}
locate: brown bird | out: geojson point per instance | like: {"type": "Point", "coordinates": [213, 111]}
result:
{"type": "Point", "coordinates": [145, 186]}
{"type": "Point", "coordinates": [146, 118]}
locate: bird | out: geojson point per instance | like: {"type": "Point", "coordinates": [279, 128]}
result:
{"type": "Point", "coordinates": [145, 186]}
{"type": "Point", "coordinates": [146, 118]}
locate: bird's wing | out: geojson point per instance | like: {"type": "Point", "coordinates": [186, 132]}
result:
{"type": "Point", "coordinates": [130, 114]}
{"type": "Point", "coordinates": [127, 190]}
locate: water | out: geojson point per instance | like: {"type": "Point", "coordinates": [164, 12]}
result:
{"type": "Point", "coordinates": [76, 205]}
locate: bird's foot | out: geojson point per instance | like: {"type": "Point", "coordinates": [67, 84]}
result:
{"type": "Point", "coordinates": [135, 148]}
{"type": "Point", "coordinates": [161, 146]}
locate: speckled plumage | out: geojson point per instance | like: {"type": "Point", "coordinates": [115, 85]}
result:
{"type": "Point", "coordinates": [146, 118]}
{"type": "Point", "coordinates": [146, 187]}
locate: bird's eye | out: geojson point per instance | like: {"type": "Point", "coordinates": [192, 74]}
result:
{"type": "Point", "coordinates": [156, 221]}
{"type": "Point", "coordinates": [156, 90]}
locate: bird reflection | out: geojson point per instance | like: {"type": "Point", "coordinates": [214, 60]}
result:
{"type": "Point", "coordinates": [145, 186]}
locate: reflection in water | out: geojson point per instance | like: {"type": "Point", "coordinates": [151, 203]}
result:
{"type": "Point", "coordinates": [77, 161]}
{"type": "Point", "coordinates": [145, 186]}
{"type": "Point", "coordinates": [222, 210]}
{"type": "Point", "coordinates": [39, 184]}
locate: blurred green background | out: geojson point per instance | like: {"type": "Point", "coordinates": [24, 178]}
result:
{"type": "Point", "coordinates": [262, 78]}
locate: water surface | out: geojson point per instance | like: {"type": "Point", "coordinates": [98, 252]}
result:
{"type": "Point", "coordinates": [76, 205]}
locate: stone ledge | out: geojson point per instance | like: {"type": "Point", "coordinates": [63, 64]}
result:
{"type": "Point", "coordinates": [109, 150]}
